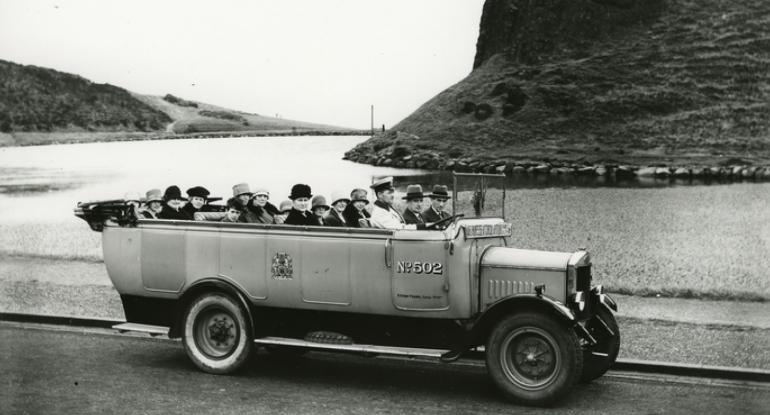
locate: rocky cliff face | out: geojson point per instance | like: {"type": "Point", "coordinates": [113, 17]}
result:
{"type": "Point", "coordinates": [535, 31]}
{"type": "Point", "coordinates": [615, 81]}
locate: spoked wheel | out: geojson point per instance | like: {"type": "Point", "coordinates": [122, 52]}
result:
{"type": "Point", "coordinates": [217, 336]}
{"type": "Point", "coordinates": [533, 358]}
{"type": "Point", "coordinates": [598, 360]}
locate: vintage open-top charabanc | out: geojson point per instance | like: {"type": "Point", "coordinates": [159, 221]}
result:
{"type": "Point", "coordinates": [223, 287]}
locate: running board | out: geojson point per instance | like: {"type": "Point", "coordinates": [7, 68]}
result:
{"type": "Point", "coordinates": [141, 328]}
{"type": "Point", "coordinates": [362, 348]}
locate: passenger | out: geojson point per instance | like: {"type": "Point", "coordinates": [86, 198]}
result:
{"type": "Point", "coordinates": [300, 198]}
{"type": "Point", "coordinates": [173, 202]}
{"type": "Point", "coordinates": [242, 194]}
{"type": "Point", "coordinates": [319, 208]}
{"type": "Point", "coordinates": [134, 200]}
{"type": "Point", "coordinates": [233, 211]}
{"type": "Point", "coordinates": [383, 214]}
{"type": "Point", "coordinates": [259, 210]}
{"type": "Point", "coordinates": [336, 215]}
{"type": "Point", "coordinates": [356, 210]}
{"type": "Point", "coordinates": [412, 214]}
{"type": "Point", "coordinates": [198, 196]}
{"type": "Point", "coordinates": [153, 204]}
{"type": "Point", "coordinates": [438, 198]}
{"type": "Point", "coordinates": [230, 214]}
{"type": "Point", "coordinates": [284, 208]}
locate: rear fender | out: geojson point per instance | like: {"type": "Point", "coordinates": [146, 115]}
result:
{"type": "Point", "coordinates": [519, 303]}
{"type": "Point", "coordinates": [208, 285]}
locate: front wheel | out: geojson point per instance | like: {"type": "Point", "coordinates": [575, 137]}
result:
{"type": "Point", "coordinates": [533, 358]}
{"type": "Point", "coordinates": [217, 336]}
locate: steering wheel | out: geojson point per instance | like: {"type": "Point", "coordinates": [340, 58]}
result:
{"type": "Point", "coordinates": [452, 218]}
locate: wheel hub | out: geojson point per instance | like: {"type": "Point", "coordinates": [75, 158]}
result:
{"type": "Point", "coordinates": [530, 359]}
{"type": "Point", "coordinates": [221, 331]}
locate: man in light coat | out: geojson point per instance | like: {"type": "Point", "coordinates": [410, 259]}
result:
{"type": "Point", "coordinates": [384, 216]}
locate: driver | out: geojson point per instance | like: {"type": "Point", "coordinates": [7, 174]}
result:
{"type": "Point", "coordinates": [438, 198]}
{"type": "Point", "coordinates": [383, 214]}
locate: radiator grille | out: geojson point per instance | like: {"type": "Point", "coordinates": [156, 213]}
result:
{"type": "Point", "coordinates": [583, 278]}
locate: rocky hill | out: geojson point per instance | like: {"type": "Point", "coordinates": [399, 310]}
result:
{"type": "Point", "coordinates": [576, 82]}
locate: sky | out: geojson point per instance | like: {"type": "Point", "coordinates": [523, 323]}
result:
{"type": "Point", "coordinates": [323, 61]}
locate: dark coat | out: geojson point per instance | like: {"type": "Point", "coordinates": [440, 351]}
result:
{"type": "Point", "coordinates": [352, 215]}
{"type": "Point", "coordinates": [335, 219]}
{"type": "Point", "coordinates": [146, 214]}
{"type": "Point", "coordinates": [297, 217]}
{"type": "Point", "coordinates": [430, 215]}
{"type": "Point", "coordinates": [189, 210]}
{"type": "Point", "coordinates": [411, 218]}
{"type": "Point", "coordinates": [257, 214]}
{"type": "Point", "coordinates": [168, 213]}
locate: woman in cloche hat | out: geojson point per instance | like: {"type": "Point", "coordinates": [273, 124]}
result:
{"type": "Point", "coordinates": [152, 205]}
{"type": "Point", "coordinates": [356, 209]}
{"type": "Point", "coordinates": [300, 198]}
{"type": "Point", "coordinates": [259, 210]}
{"type": "Point", "coordinates": [198, 196]}
{"type": "Point", "coordinates": [336, 216]}
{"type": "Point", "coordinates": [319, 208]}
{"type": "Point", "coordinates": [172, 206]}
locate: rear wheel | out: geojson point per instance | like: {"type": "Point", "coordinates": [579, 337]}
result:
{"type": "Point", "coordinates": [217, 336]}
{"type": "Point", "coordinates": [598, 360]}
{"type": "Point", "coordinates": [533, 358]}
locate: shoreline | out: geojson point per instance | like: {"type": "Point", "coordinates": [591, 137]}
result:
{"type": "Point", "coordinates": [66, 137]}
{"type": "Point", "coordinates": [687, 168]}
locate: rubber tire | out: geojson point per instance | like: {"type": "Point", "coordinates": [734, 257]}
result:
{"type": "Point", "coordinates": [244, 347]}
{"type": "Point", "coordinates": [594, 366]}
{"type": "Point", "coordinates": [569, 350]}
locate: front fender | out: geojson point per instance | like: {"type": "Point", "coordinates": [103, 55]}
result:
{"type": "Point", "coordinates": [519, 302]}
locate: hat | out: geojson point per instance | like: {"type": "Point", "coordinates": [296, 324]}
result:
{"type": "Point", "coordinates": [173, 192]}
{"type": "Point", "coordinates": [241, 189]}
{"type": "Point", "coordinates": [386, 183]}
{"type": "Point", "coordinates": [285, 206]}
{"type": "Point", "coordinates": [153, 195]}
{"type": "Point", "coordinates": [198, 191]}
{"type": "Point", "coordinates": [261, 191]}
{"type": "Point", "coordinates": [440, 192]}
{"type": "Point", "coordinates": [358, 195]}
{"type": "Point", "coordinates": [318, 201]}
{"type": "Point", "coordinates": [132, 197]}
{"type": "Point", "coordinates": [413, 191]}
{"type": "Point", "coordinates": [339, 197]}
{"type": "Point", "coordinates": [300, 190]}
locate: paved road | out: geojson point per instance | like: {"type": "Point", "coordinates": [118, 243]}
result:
{"type": "Point", "coordinates": [54, 371]}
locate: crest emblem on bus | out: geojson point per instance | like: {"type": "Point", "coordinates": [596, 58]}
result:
{"type": "Point", "coordinates": [282, 266]}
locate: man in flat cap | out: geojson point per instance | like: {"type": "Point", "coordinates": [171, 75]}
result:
{"type": "Point", "coordinates": [383, 214]}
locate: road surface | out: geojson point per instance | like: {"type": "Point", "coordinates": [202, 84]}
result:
{"type": "Point", "coordinates": [48, 370]}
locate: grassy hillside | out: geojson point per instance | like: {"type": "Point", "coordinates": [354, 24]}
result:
{"type": "Point", "coordinates": [611, 81]}
{"type": "Point", "coordinates": [199, 117]}
{"type": "Point", "coordinates": [44, 106]}
{"type": "Point", "coordinates": [40, 99]}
